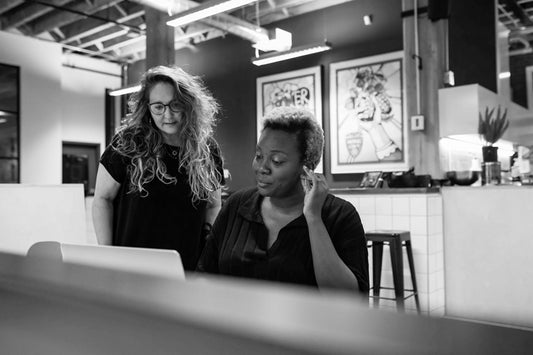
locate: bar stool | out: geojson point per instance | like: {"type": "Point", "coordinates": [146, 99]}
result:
{"type": "Point", "coordinates": [396, 239]}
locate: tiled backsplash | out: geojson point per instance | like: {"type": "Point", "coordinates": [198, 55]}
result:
{"type": "Point", "coordinates": [421, 214]}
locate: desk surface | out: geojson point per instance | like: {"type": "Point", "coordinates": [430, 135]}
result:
{"type": "Point", "coordinates": [62, 308]}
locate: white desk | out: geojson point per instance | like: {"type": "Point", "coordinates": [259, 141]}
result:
{"type": "Point", "coordinates": [53, 308]}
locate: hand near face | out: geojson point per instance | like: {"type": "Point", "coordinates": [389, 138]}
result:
{"type": "Point", "coordinates": [316, 190]}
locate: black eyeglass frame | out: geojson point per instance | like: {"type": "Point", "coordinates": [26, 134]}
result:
{"type": "Point", "coordinates": [169, 105]}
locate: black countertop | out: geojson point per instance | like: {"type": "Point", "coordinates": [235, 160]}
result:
{"type": "Point", "coordinates": [382, 191]}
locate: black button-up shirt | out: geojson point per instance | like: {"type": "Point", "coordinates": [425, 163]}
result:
{"type": "Point", "coordinates": [237, 245]}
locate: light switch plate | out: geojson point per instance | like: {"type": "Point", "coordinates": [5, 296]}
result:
{"type": "Point", "coordinates": [417, 123]}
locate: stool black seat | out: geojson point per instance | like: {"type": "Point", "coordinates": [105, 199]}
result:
{"type": "Point", "coordinates": [396, 239]}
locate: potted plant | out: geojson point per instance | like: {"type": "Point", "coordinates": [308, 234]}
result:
{"type": "Point", "coordinates": [490, 130]}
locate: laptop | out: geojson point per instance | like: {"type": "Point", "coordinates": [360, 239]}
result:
{"type": "Point", "coordinates": [157, 262]}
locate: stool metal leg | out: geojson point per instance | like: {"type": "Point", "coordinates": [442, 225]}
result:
{"type": "Point", "coordinates": [397, 272]}
{"type": "Point", "coordinates": [377, 258]}
{"type": "Point", "coordinates": [412, 271]}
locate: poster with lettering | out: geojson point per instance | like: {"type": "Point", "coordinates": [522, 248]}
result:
{"type": "Point", "coordinates": [295, 88]}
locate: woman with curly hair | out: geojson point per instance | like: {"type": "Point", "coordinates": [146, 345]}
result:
{"type": "Point", "coordinates": [288, 228]}
{"type": "Point", "coordinates": [159, 181]}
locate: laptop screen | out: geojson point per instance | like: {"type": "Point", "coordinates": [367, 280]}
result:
{"type": "Point", "coordinates": [157, 262]}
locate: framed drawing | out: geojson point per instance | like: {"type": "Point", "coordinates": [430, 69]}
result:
{"type": "Point", "coordinates": [295, 88]}
{"type": "Point", "coordinates": [368, 128]}
{"type": "Point", "coordinates": [371, 179]}
{"type": "Point", "coordinates": [529, 84]}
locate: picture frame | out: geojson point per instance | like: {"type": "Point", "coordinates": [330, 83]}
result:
{"type": "Point", "coordinates": [301, 87]}
{"type": "Point", "coordinates": [368, 125]}
{"type": "Point", "coordinates": [529, 85]}
{"type": "Point", "coordinates": [371, 179]}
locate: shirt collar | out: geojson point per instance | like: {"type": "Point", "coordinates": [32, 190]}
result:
{"type": "Point", "coordinates": [251, 210]}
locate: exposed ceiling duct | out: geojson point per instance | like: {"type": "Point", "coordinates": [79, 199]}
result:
{"type": "Point", "coordinates": [115, 30]}
{"type": "Point", "coordinates": [223, 22]}
{"type": "Point", "coordinates": [517, 17]}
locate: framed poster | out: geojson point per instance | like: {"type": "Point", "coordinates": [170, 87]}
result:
{"type": "Point", "coordinates": [529, 84]}
{"type": "Point", "coordinates": [368, 126]}
{"type": "Point", "coordinates": [295, 88]}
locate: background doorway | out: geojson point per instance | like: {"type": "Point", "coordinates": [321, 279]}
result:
{"type": "Point", "coordinates": [80, 162]}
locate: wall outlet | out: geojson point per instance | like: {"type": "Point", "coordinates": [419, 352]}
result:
{"type": "Point", "coordinates": [417, 123]}
{"type": "Point", "coordinates": [449, 78]}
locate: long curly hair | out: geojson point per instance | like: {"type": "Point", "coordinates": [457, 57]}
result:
{"type": "Point", "coordinates": [140, 139]}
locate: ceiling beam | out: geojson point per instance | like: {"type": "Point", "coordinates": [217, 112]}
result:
{"type": "Point", "coordinates": [70, 14]}
{"type": "Point", "coordinates": [84, 28]}
{"type": "Point", "coordinates": [28, 13]}
{"type": "Point", "coordinates": [519, 12]}
{"type": "Point", "coordinates": [271, 11]}
{"type": "Point", "coordinates": [6, 5]}
{"type": "Point", "coordinates": [92, 34]}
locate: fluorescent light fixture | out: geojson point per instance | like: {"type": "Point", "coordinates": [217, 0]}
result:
{"type": "Point", "coordinates": [504, 75]}
{"type": "Point", "coordinates": [125, 90]}
{"type": "Point", "coordinates": [278, 40]}
{"type": "Point", "coordinates": [293, 53]}
{"type": "Point", "coordinates": [367, 20]}
{"type": "Point", "coordinates": [206, 9]}
{"type": "Point", "coordinates": [3, 120]}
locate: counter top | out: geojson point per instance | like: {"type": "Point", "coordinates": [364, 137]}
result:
{"type": "Point", "coordinates": [374, 191]}
{"type": "Point", "coordinates": [418, 190]}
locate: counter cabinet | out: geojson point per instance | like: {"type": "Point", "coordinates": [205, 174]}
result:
{"type": "Point", "coordinates": [472, 247]}
{"type": "Point", "coordinates": [418, 210]}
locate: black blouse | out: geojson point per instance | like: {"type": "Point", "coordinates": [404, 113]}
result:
{"type": "Point", "coordinates": [237, 245]}
{"type": "Point", "coordinates": [166, 218]}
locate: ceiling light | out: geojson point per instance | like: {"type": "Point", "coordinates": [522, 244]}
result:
{"type": "Point", "coordinates": [277, 40]}
{"type": "Point", "coordinates": [367, 20]}
{"type": "Point", "coordinates": [3, 120]}
{"type": "Point", "coordinates": [206, 9]}
{"type": "Point", "coordinates": [293, 53]}
{"type": "Point", "coordinates": [125, 90]}
{"type": "Point", "coordinates": [504, 75]}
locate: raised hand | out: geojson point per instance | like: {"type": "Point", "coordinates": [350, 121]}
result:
{"type": "Point", "coordinates": [316, 189]}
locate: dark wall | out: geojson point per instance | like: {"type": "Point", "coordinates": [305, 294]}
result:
{"type": "Point", "coordinates": [472, 49]}
{"type": "Point", "coordinates": [228, 72]}
{"type": "Point", "coordinates": [518, 65]}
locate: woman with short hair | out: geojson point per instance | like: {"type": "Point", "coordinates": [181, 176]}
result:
{"type": "Point", "coordinates": [288, 228]}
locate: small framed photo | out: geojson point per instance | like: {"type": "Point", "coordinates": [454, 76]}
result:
{"type": "Point", "coordinates": [371, 179]}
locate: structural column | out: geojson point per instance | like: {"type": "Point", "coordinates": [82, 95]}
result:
{"type": "Point", "coordinates": [425, 65]}
{"type": "Point", "coordinates": [159, 39]}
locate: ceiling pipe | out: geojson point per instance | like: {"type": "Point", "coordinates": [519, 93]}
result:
{"type": "Point", "coordinates": [223, 22]}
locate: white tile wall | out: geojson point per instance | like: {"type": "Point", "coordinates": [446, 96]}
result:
{"type": "Point", "coordinates": [367, 205]}
{"type": "Point", "coordinates": [418, 205]}
{"type": "Point", "coordinates": [400, 206]}
{"type": "Point", "coordinates": [434, 206]}
{"type": "Point", "coordinates": [421, 214]}
{"type": "Point", "coordinates": [384, 206]}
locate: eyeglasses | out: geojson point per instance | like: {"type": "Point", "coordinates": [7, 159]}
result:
{"type": "Point", "coordinates": [158, 108]}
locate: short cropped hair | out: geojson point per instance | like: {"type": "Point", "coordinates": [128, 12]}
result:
{"type": "Point", "coordinates": [299, 121]}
